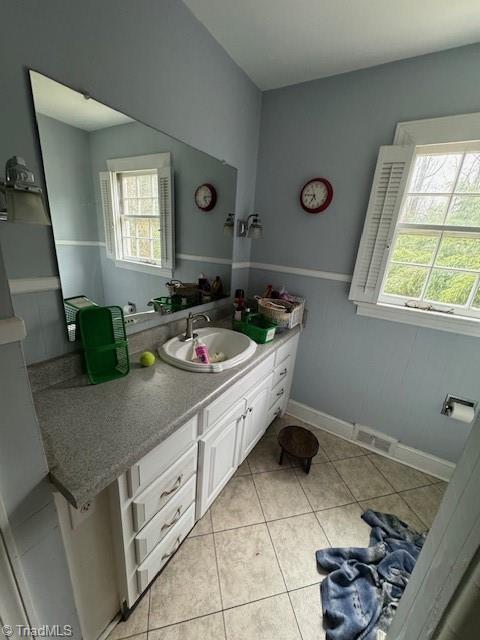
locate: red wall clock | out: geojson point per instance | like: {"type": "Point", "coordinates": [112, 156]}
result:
{"type": "Point", "coordinates": [316, 195]}
{"type": "Point", "coordinates": [206, 197]}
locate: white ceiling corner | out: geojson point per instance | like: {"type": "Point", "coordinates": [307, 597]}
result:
{"type": "Point", "coordinates": [62, 103]}
{"type": "Point", "coordinates": [283, 42]}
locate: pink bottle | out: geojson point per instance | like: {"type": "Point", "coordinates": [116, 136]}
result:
{"type": "Point", "coordinates": [201, 352]}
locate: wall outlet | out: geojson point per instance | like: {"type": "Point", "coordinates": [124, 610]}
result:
{"type": "Point", "coordinates": [77, 516]}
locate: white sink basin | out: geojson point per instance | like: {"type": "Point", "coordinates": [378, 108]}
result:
{"type": "Point", "coordinates": [236, 348]}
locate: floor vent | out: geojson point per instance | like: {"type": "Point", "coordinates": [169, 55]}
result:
{"type": "Point", "coordinates": [372, 438]}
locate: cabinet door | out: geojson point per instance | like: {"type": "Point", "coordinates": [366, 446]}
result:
{"type": "Point", "coordinates": [256, 420]}
{"type": "Point", "coordinates": [219, 456]}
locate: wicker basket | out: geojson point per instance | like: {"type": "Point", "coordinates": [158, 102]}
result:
{"type": "Point", "coordinates": [184, 289]}
{"type": "Point", "coordinates": [282, 312]}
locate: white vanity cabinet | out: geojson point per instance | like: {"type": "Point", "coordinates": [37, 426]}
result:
{"type": "Point", "coordinates": [219, 452]}
{"type": "Point", "coordinates": [234, 423]}
{"type": "Point", "coordinates": [157, 501]}
{"type": "Point", "coordinates": [256, 416]}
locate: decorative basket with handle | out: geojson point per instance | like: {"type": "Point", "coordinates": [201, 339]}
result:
{"type": "Point", "coordinates": [283, 313]}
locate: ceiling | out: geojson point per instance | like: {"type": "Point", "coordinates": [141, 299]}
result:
{"type": "Point", "coordinates": [58, 101]}
{"type": "Point", "coordinates": [282, 42]}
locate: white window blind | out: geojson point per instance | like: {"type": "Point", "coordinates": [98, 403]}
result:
{"type": "Point", "coordinates": [389, 182]}
{"type": "Point", "coordinates": [165, 200]}
{"type": "Point", "coordinates": [106, 192]}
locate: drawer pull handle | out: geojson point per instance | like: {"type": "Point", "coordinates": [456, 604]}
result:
{"type": "Point", "coordinates": [284, 372]}
{"type": "Point", "coordinates": [176, 518]}
{"type": "Point", "coordinates": [178, 482]}
{"type": "Point", "coordinates": [175, 547]}
{"type": "Point", "coordinates": [280, 393]}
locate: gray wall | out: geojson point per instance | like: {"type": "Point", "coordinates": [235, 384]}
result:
{"type": "Point", "coordinates": [176, 78]}
{"type": "Point", "coordinates": [71, 196]}
{"type": "Point", "coordinates": [66, 160]}
{"type": "Point", "coordinates": [389, 376]}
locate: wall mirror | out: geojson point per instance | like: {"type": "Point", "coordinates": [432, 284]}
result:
{"type": "Point", "coordinates": [137, 215]}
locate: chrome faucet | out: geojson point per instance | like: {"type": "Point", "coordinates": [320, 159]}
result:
{"type": "Point", "coordinates": [191, 320]}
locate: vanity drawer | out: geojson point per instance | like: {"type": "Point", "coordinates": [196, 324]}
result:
{"type": "Point", "coordinates": [288, 348]}
{"type": "Point", "coordinates": [156, 496]}
{"type": "Point", "coordinates": [282, 371]}
{"type": "Point", "coordinates": [165, 549]}
{"type": "Point", "coordinates": [160, 525]}
{"type": "Point", "coordinates": [278, 394]}
{"type": "Point", "coordinates": [159, 459]}
{"type": "Point", "coordinates": [274, 411]}
{"type": "Point", "coordinates": [226, 401]}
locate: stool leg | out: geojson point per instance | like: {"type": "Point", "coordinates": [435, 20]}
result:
{"type": "Point", "coordinates": [281, 457]}
{"type": "Point", "coordinates": [308, 465]}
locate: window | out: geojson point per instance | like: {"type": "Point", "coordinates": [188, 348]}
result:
{"type": "Point", "coordinates": [137, 207]}
{"type": "Point", "coordinates": [139, 215]}
{"type": "Point", "coordinates": [434, 259]}
{"type": "Point", "coordinates": [419, 256]}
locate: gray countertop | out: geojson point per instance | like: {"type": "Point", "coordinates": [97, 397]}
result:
{"type": "Point", "coordinates": [94, 433]}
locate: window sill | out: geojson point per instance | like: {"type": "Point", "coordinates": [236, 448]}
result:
{"type": "Point", "coordinates": [144, 268]}
{"type": "Point", "coordinates": [428, 319]}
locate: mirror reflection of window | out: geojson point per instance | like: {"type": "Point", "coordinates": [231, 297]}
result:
{"type": "Point", "coordinates": [137, 210]}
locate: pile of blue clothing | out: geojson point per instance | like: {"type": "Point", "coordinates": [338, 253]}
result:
{"type": "Point", "coordinates": [364, 585]}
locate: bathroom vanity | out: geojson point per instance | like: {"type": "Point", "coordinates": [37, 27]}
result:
{"type": "Point", "coordinates": [148, 454]}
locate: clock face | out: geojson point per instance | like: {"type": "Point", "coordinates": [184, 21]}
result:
{"type": "Point", "coordinates": [316, 195]}
{"type": "Point", "coordinates": [205, 197]}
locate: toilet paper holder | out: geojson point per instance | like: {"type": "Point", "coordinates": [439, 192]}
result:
{"type": "Point", "coordinates": [450, 400]}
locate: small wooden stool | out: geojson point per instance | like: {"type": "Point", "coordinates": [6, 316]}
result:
{"type": "Point", "coordinates": [299, 443]}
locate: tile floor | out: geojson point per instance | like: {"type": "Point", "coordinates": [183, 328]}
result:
{"type": "Point", "coordinates": [247, 570]}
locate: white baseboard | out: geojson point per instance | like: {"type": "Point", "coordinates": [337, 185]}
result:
{"type": "Point", "coordinates": [319, 419]}
{"type": "Point", "coordinates": [12, 330]}
{"type": "Point", "coordinates": [399, 452]}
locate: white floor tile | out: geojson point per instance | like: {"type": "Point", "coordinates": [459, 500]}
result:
{"type": "Point", "coordinates": [269, 619]}
{"type": "Point", "coordinates": [295, 541]}
{"type": "Point", "coordinates": [247, 565]}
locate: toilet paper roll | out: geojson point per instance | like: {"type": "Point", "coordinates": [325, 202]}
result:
{"type": "Point", "coordinates": [461, 412]}
{"type": "Point", "coordinates": [128, 308]}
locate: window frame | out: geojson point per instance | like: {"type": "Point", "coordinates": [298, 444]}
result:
{"type": "Point", "coordinates": [423, 133]}
{"type": "Point", "coordinates": [464, 311]}
{"type": "Point", "coordinates": [138, 165]}
{"type": "Point", "coordinates": [123, 217]}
